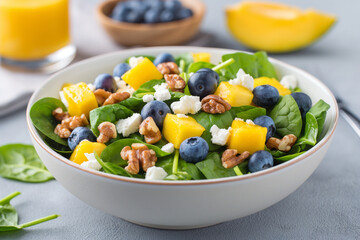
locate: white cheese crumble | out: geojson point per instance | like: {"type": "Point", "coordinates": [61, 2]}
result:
{"type": "Point", "coordinates": [289, 81]}
{"type": "Point", "coordinates": [63, 99]}
{"type": "Point", "coordinates": [239, 119]}
{"type": "Point", "coordinates": [179, 115]}
{"type": "Point", "coordinates": [243, 79]}
{"type": "Point", "coordinates": [249, 121]}
{"type": "Point", "coordinates": [129, 125]}
{"type": "Point", "coordinates": [134, 61]}
{"type": "Point", "coordinates": [121, 84]}
{"type": "Point", "coordinates": [187, 104]}
{"type": "Point", "coordinates": [219, 136]}
{"type": "Point", "coordinates": [162, 92]}
{"type": "Point", "coordinates": [91, 163]}
{"type": "Point", "coordinates": [148, 98]}
{"type": "Point", "coordinates": [155, 173]}
{"type": "Point", "coordinates": [91, 87]}
{"type": "Point", "coordinates": [169, 148]}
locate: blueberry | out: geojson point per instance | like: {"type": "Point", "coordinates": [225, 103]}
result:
{"type": "Point", "coordinates": [303, 101]}
{"type": "Point", "coordinates": [121, 69]}
{"type": "Point", "coordinates": [194, 149]}
{"type": "Point", "coordinates": [79, 134]}
{"type": "Point", "coordinates": [134, 17]}
{"type": "Point", "coordinates": [163, 57]}
{"type": "Point", "coordinates": [203, 83]}
{"type": "Point", "coordinates": [120, 11]}
{"type": "Point", "coordinates": [265, 96]}
{"type": "Point", "coordinates": [216, 75]}
{"type": "Point", "coordinates": [157, 5]}
{"type": "Point", "coordinates": [105, 81]}
{"type": "Point", "coordinates": [157, 110]}
{"type": "Point", "coordinates": [266, 121]}
{"type": "Point", "coordinates": [172, 5]}
{"type": "Point", "coordinates": [152, 16]}
{"type": "Point", "coordinates": [260, 160]}
{"type": "Point", "coordinates": [184, 13]}
{"type": "Point", "coordinates": [167, 15]}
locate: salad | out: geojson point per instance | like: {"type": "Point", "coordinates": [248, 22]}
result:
{"type": "Point", "coordinates": [182, 117]}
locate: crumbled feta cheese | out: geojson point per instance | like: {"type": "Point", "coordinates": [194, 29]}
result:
{"type": "Point", "coordinates": [187, 104]}
{"type": "Point", "coordinates": [117, 79]}
{"type": "Point", "coordinates": [161, 86]}
{"type": "Point", "coordinates": [289, 81]}
{"type": "Point", "coordinates": [155, 173]}
{"type": "Point", "coordinates": [179, 115]}
{"type": "Point", "coordinates": [243, 79]}
{"type": "Point", "coordinates": [92, 163]}
{"type": "Point", "coordinates": [249, 121]}
{"type": "Point", "coordinates": [148, 98]}
{"type": "Point", "coordinates": [239, 119]}
{"type": "Point", "coordinates": [162, 92]}
{"type": "Point", "coordinates": [219, 136]}
{"type": "Point", "coordinates": [91, 86]}
{"type": "Point", "coordinates": [240, 72]}
{"type": "Point", "coordinates": [169, 148]}
{"type": "Point", "coordinates": [128, 89]}
{"type": "Point", "coordinates": [133, 61]}
{"type": "Point", "coordinates": [129, 125]}
{"type": "Point", "coordinates": [63, 99]}
{"type": "Point", "coordinates": [121, 84]}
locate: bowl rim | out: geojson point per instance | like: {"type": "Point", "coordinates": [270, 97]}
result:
{"type": "Point", "coordinates": [35, 135]}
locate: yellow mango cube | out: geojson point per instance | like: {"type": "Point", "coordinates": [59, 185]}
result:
{"type": "Point", "coordinates": [201, 57]}
{"type": "Point", "coordinates": [246, 137]}
{"type": "Point", "coordinates": [273, 82]}
{"type": "Point", "coordinates": [142, 73]}
{"type": "Point", "coordinates": [177, 129]}
{"type": "Point", "coordinates": [78, 156]}
{"type": "Point", "coordinates": [80, 98]}
{"type": "Point", "coordinates": [235, 95]}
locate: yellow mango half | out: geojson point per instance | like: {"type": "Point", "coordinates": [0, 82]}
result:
{"type": "Point", "coordinates": [78, 156]}
{"type": "Point", "coordinates": [275, 27]}
{"type": "Point", "coordinates": [246, 137]}
{"type": "Point", "coordinates": [201, 57]}
{"type": "Point", "coordinates": [177, 129]}
{"type": "Point", "coordinates": [141, 73]}
{"type": "Point", "coordinates": [235, 95]}
{"type": "Point", "coordinates": [273, 82]}
{"type": "Point", "coordinates": [80, 98]}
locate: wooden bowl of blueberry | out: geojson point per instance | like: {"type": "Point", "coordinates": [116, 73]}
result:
{"type": "Point", "coordinates": [151, 22]}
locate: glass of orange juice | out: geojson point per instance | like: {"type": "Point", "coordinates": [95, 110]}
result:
{"type": "Point", "coordinates": [35, 34]}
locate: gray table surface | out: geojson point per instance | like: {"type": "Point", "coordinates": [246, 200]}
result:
{"type": "Point", "coordinates": [326, 206]}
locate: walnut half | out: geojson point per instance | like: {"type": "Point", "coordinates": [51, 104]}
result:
{"type": "Point", "coordinates": [107, 131]}
{"type": "Point", "coordinates": [150, 131]}
{"type": "Point", "coordinates": [285, 144]}
{"type": "Point", "coordinates": [230, 158]}
{"type": "Point", "coordinates": [175, 82]}
{"type": "Point", "coordinates": [214, 104]}
{"type": "Point", "coordinates": [168, 68]}
{"type": "Point", "coordinates": [139, 156]}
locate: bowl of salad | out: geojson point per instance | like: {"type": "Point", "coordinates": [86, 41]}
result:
{"type": "Point", "coordinates": [181, 137]}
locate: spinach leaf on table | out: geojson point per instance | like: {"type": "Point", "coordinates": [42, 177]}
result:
{"type": "Point", "coordinates": [193, 67]}
{"type": "Point", "coordinates": [43, 120]}
{"type": "Point", "coordinates": [108, 113]}
{"type": "Point", "coordinates": [211, 167]}
{"type": "Point", "coordinates": [9, 216]}
{"type": "Point", "coordinates": [310, 132]}
{"type": "Point", "coordinates": [21, 162]}
{"type": "Point", "coordinates": [287, 117]}
{"type": "Point", "coordinates": [319, 110]}
{"type": "Point", "coordinates": [248, 112]}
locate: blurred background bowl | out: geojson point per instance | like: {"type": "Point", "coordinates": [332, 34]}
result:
{"type": "Point", "coordinates": [169, 33]}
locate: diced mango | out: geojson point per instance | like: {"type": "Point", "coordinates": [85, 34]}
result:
{"type": "Point", "coordinates": [201, 57]}
{"type": "Point", "coordinates": [78, 156]}
{"type": "Point", "coordinates": [65, 85]}
{"type": "Point", "coordinates": [235, 95]}
{"type": "Point", "coordinates": [80, 98]}
{"type": "Point", "coordinates": [246, 137]}
{"type": "Point", "coordinates": [143, 72]}
{"type": "Point", "coordinates": [177, 129]}
{"type": "Point", "coordinates": [273, 82]}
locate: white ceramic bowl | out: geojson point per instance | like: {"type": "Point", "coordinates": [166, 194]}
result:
{"type": "Point", "coordinates": [180, 204]}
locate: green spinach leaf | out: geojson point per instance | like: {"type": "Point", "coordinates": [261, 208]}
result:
{"type": "Point", "coordinates": [287, 117]}
{"type": "Point", "coordinates": [248, 112]}
{"type": "Point", "coordinates": [186, 58]}
{"type": "Point", "coordinates": [43, 120]}
{"type": "Point", "coordinates": [21, 162]}
{"type": "Point", "coordinates": [193, 67]}
{"type": "Point", "coordinates": [211, 167]}
{"type": "Point", "coordinates": [265, 68]}
{"type": "Point", "coordinates": [288, 157]}
{"type": "Point", "coordinates": [112, 168]}
{"type": "Point", "coordinates": [310, 132]}
{"type": "Point", "coordinates": [135, 104]}
{"type": "Point", "coordinates": [319, 110]}
{"type": "Point", "coordinates": [147, 88]}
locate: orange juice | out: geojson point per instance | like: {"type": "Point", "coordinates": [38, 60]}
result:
{"type": "Point", "coordinates": [33, 29]}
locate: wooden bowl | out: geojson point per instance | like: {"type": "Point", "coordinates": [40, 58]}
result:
{"type": "Point", "coordinates": [170, 33]}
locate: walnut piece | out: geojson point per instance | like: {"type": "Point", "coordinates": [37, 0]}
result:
{"type": "Point", "coordinates": [283, 144]}
{"type": "Point", "coordinates": [150, 131]}
{"type": "Point", "coordinates": [168, 68]}
{"type": "Point", "coordinates": [139, 156]}
{"type": "Point", "coordinates": [66, 126]}
{"type": "Point", "coordinates": [116, 97]}
{"type": "Point", "coordinates": [230, 158]}
{"type": "Point", "coordinates": [214, 104]}
{"type": "Point", "coordinates": [107, 131]}
{"type": "Point", "coordinates": [175, 82]}
{"type": "Point", "coordinates": [101, 95]}
{"type": "Point", "coordinates": [59, 114]}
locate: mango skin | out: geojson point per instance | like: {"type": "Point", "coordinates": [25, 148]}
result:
{"type": "Point", "coordinates": [246, 137]}
{"type": "Point", "coordinates": [276, 27]}
{"type": "Point", "coordinates": [201, 57]}
{"type": "Point", "coordinates": [273, 82]}
{"type": "Point", "coordinates": [176, 129]}
{"type": "Point", "coordinates": [143, 72]}
{"type": "Point", "coordinates": [78, 156]}
{"type": "Point", "coordinates": [235, 95]}
{"type": "Point", "coordinates": [80, 98]}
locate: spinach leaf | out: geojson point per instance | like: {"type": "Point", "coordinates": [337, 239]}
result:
{"type": "Point", "coordinates": [211, 167]}
{"type": "Point", "coordinates": [186, 58]}
{"type": "Point", "coordinates": [311, 131]}
{"type": "Point", "coordinates": [135, 104]}
{"type": "Point", "coordinates": [9, 216]}
{"type": "Point", "coordinates": [43, 120]}
{"type": "Point", "coordinates": [248, 112]}
{"type": "Point", "coordinates": [112, 152]}
{"type": "Point", "coordinates": [194, 172]}
{"type": "Point", "coordinates": [207, 120]}
{"type": "Point", "coordinates": [193, 67]}
{"type": "Point", "coordinates": [319, 111]}
{"type": "Point", "coordinates": [108, 113]}
{"type": "Point", "coordinates": [178, 176]}
{"type": "Point", "coordinates": [151, 58]}
{"type": "Point", "coordinates": [21, 162]}
{"type": "Point", "coordinates": [112, 168]}
{"type": "Point", "coordinates": [265, 68]}
{"type": "Point", "coordinates": [287, 117]}
{"type": "Point", "coordinates": [288, 157]}
{"type": "Point", "coordinates": [147, 88]}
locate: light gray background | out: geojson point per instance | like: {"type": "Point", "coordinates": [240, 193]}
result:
{"type": "Point", "coordinates": [326, 206]}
